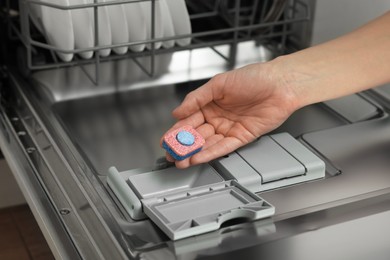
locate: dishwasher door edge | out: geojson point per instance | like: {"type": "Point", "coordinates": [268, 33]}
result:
{"type": "Point", "coordinates": [44, 213]}
{"type": "Point", "coordinates": [49, 180]}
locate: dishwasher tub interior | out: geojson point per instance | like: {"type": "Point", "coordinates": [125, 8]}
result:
{"type": "Point", "coordinates": [72, 127]}
{"type": "Point", "coordinates": [123, 129]}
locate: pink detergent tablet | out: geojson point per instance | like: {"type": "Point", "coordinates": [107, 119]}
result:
{"type": "Point", "coordinates": [183, 142]}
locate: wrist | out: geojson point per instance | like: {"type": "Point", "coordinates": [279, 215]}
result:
{"type": "Point", "coordinates": [289, 82]}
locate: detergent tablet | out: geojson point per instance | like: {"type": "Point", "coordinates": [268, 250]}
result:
{"type": "Point", "coordinates": [183, 142]}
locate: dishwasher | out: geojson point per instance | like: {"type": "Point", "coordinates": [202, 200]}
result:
{"type": "Point", "coordinates": [81, 136]}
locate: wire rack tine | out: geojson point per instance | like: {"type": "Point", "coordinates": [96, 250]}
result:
{"type": "Point", "coordinates": [97, 54]}
{"type": "Point", "coordinates": [233, 46]}
{"type": "Point", "coordinates": [153, 35]}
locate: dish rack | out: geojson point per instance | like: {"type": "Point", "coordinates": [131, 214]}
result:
{"type": "Point", "coordinates": [214, 23]}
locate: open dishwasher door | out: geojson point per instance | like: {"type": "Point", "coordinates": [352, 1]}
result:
{"type": "Point", "coordinates": [322, 192]}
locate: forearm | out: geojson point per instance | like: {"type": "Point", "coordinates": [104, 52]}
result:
{"type": "Point", "coordinates": [349, 64]}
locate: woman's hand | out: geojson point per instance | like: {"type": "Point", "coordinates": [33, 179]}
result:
{"type": "Point", "coordinates": [235, 108]}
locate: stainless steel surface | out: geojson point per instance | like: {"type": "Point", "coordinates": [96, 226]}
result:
{"type": "Point", "coordinates": [123, 75]}
{"type": "Point", "coordinates": [124, 130]}
{"type": "Point", "coordinates": [98, 125]}
{"type": "Point", "coordinates": [65, 192]}
{"type": "Point", "coordinates": [61, 132]}
{"type": "Point", "coordinates": [24, 172]}
{"type": "Point", "coordinates": [105, 128]}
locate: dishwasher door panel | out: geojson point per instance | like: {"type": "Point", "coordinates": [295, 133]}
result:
{"type": "Point", "coordinates": [123, 130]}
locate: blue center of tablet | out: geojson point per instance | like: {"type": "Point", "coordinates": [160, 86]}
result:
{"type": "Point", "coordinates": [185, 138]}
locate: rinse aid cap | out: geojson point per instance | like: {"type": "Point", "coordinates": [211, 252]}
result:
{"type": "Point", "coordinates": [183, 142]}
